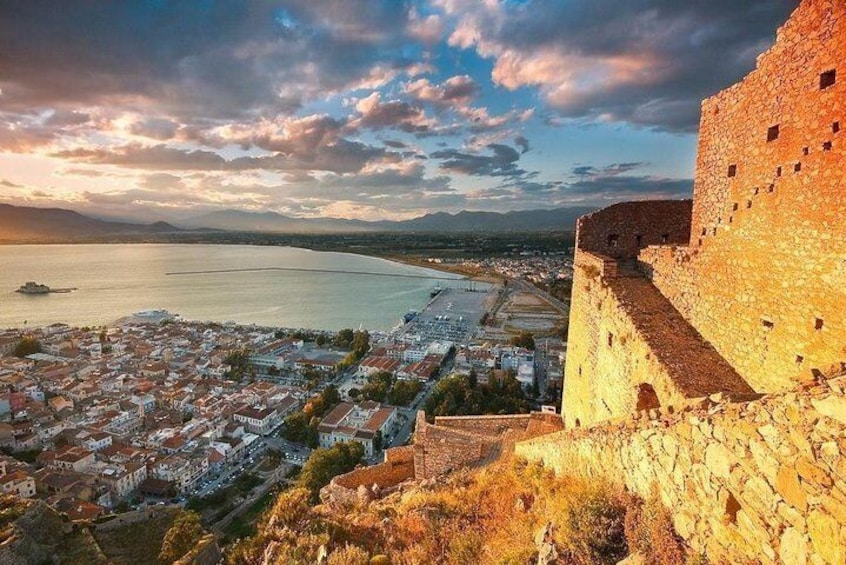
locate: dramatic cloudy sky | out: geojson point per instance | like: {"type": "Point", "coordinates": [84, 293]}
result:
{"type": "Point", "coordinates": [361, 108]}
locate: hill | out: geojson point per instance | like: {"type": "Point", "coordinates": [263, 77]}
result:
{"type": "Point", "coordinates": [509, 512]}
{"type": "Point", "coordinates": [530, 220]}
{"type": "Point", "coordinates": [18, 223]}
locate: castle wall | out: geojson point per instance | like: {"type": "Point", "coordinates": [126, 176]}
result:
{"type": "Point", "coordinates": [620, 231]}
{"type": "Point", "coordinates": [763, 278]}
{"type": "Point", "coordinates": [601, 380]}
{"type": "Point", "coordinates": [759, 482]}
{"type": "Point", "coordinates": [630, 350]}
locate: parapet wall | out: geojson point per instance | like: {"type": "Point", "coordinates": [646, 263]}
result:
{"type": "Point", "coordinates": [763, 277]}
{"type": "Point", "coordinates": [630, 350]}
{"type": "Point", "coordinates": [620, 231]}
{"type": "Point", "coordinates": [758, 482]}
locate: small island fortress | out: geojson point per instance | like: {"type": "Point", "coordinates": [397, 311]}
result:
{"type": "Point", "coordinates": [707, 341]}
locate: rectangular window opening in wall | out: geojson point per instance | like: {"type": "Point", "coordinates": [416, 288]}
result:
{"type": "Point", "coordinates": [768, 324]}
{"type": "Point", "coordinates": [732, 171]}
{"type": "Point", "coordinates": [731, 219]}
{"type": "Point", "coordinates": [748, 203]}
{"type": "Point", "coordinates": [828, 79]}
{"type": "Point", "coordinates": [757, 190]}
{"type": "Point", "coordinates": [638, 240]}
{"type": "Point", "coordinates": [772, 133]}
{"type": "Point", "coordinates": [835, 127]}
{"type": "Point", "coordinates": [700, 242]}
{"type": "Point", "coordinates": [800, 359]}
{"type": "Point", "coordinates": [771, 188]}
{"type": "Point", "coordinates": [797, 167]}
{"type": "Point", "coordinates": [778, 172]}
{"type": "Point", "coordinates": [665, 238]}
{"type": "Point", "coordinates": [704, 231]}
{"type": "Point", "coordinates": [827, 146]}
{"type": "Point", "coordinates": [610, 339]}
{"type": "Point", "coordinates": [806, 151]}
{"type": "Point", "coordinates": [818, 323]}
{"type": "Point", "coordinates": [735, 207]}
{"type": "Point", "coordinates": [714, 232]}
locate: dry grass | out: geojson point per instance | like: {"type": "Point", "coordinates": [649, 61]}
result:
{"type": "Point", "coordinates": [485, 517]}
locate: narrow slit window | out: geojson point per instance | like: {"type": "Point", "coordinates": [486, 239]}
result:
{"type": "Point", "coordinates": [748, 203]}
{"type": "Point", "coordinates": [732, 171]}
{"type": "Point", "coordinates": [828, 79]}
{"type": "Point", "coordinates": [735, 207]}
{"type": "Point", "coordinates": [610, 339]}
{"type": "Point", "coordinates": [827, 146]}
{"type": "Point", "coordinates": [665, 238]}
{"type": "Point", "coordinates": [771, 188]}
{"type": "Point", "coordinates": [800, 359]}
{"type": "Point", "coordinates": [797, 167]}
{"type": "Point", "coordinates": [772, 133]}
{"type": "Point", "coordinates": [819, 323]}
{"type": "Point", "coordinates": [768, 324]}
{"type": "Point", "coordinates": [638, 240]}
{"type": "Point", "coordinates": [806, 151]}
{"type": "Point", "coordinates": [704, 231]}
{"type": "Point", "coordinates": [835, 127]}
{"type": "Point", "coordinates": [778, 172]}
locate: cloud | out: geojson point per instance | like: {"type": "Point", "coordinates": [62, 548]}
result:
{"type": "Point", "coordinates": [522, 143]}
{"type": "Point", "coordinates": [376, 115]}
{"type": "Point", "coordinates": [428, 29]}
{"type": "Point", "coordinates": [160, 57]}
{"type": "Point", "coordinates": [455, 91]}
{"type": "Point", "coordinates": [647, 62]}
{"type": "Point", "coordinates": [502, 161]}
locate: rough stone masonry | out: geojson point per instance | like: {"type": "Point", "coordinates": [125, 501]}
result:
{"type": "Point", "coordinates": [738, 296]}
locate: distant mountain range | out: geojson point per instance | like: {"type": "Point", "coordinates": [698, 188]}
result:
{"type": "Point", "coordinates": [530, 220]}
{"type": "Point", "coordinates": [19, 223]}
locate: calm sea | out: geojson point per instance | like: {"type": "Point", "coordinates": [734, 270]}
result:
{"type": "Point", "coordinates": [117, 280]}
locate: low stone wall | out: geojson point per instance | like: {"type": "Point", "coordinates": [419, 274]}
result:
{"type": "Point", "coordinates": [762, 481]}
{"type": "Point", "coordinates": [397, 468]}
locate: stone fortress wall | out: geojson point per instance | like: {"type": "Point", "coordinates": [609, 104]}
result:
{"type": "Point", "coordinates": [708, 367]}
{"type": "Point", "coordinates": [762, 481]}
{"type": "Point", "coordinates": [750, 284]}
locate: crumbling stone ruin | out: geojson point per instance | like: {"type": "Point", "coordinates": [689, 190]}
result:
{"type": "Point", "coordinates": [450, 444]}
{"type": "Point", "coordinates": [707, 345]}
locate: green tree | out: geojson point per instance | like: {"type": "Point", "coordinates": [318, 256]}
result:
{"type": "Point", "coordinates": [28, 345]}
{"type": "Point", "coordinates": [377, 387]}
{"type": "Point", "coordinates": [324, 464]}
{"type": "Point", "coordinates": [524, 340]}
{"type": "Point", "coordinates": [182, 536]}
{"type": "Point", "coordinates": [344, 338]}
{"type": "Point", "coordinates": [403, 392]}
{"type": "Point", "coordinates": [321, 340]}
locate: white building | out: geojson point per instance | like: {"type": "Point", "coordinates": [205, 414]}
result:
{"type": "Point", "coordinates": [357, 422]}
